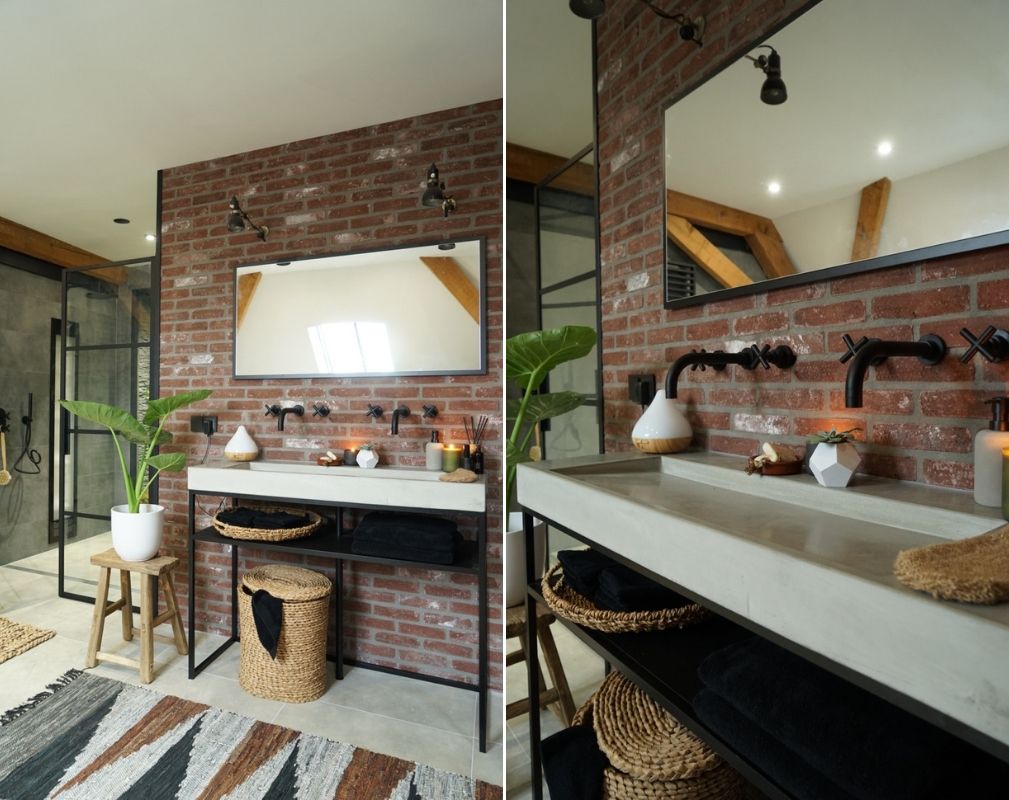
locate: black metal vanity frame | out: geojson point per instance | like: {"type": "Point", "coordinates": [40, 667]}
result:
{"type": "Point", "coordinates": [333, 542]}
{"type": "Point", "coordinates": [664, 665]}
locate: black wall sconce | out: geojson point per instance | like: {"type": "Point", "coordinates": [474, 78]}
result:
{"type": "Point", "coordinates": [237, 219]}
{"type": "Point", "coordinates": [691, 30]}
{"type": "Point", "coordinates": [772, 91]}
{"type": "Point", "coordinates": [434, 194]}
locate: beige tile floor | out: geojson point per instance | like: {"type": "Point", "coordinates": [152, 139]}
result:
{"type": "Point", "coordinates": [584, 671]}
{"type": "Point", "coordinates": [402, 717]}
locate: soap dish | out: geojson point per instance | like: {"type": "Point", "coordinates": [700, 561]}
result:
{"type": "Point", "coordinates": [782, 468]}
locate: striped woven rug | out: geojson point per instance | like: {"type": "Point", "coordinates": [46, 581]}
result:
{"type": "Point", "coordinates": [91, 738]}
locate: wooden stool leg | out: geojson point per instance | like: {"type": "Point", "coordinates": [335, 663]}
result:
{"type": "Point", "coordinates": [557, 677]}
{"type": "Point", "coordinates": [176, 619]}
{"type": "Point", "coordinates": [147, 600]}
{"type": "Point", "coordinates": [98, 620]}
{"type": "Point", "coordinates": [127, 595]}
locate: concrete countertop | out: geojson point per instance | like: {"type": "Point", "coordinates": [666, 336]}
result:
{"type": "Point", "coordinates": [813, 565]}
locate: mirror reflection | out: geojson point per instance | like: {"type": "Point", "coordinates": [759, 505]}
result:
{"type": "Point", "coordinates": [403, 311]}
{"type": "Point", "coordinates": [894, 137]}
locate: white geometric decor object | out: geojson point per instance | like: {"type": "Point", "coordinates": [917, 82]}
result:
{"type": "Point", "coordinates": [662, 428]}
{"type": "Point", "coordinates": [833, 464]}
{"type": "Point", "coordinates": [367, 458]}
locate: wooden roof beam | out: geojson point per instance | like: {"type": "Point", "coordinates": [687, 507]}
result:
{"type": "Point", "coordinates": [704, 253]}
{"type": "Point", "coordinates": [871, 211]}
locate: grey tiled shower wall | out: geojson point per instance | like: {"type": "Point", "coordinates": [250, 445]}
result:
{"type": "Point", "coordinates": [28, 303]}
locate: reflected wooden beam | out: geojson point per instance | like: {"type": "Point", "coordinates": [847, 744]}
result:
{"type": "Point", "coordinates": [22, 239]}
{"type": "Point", "coordinates": [760, 233]}
{"type": "Point", "coordinates": [701, 250]}
{"type": "Point", "coordinates": [532, 166]}
{"type": "Point", "coordinates": [871, 212]}
{"type": "Point", "coordinates": [454, 278]}
{"type": "Point", "coordinates": [247, 285]}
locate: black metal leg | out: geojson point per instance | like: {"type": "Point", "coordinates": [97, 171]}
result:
{"type": "Point", "coordinates": [234, 591]}
{"type": "Point", "coordinates": [484, 678]}
{"type": "Point", "coordinates": [532, 662]}
{"type": "Point", "coordinates": [192, 585]}
{"type": "Point", "coordinates": [338, 602]}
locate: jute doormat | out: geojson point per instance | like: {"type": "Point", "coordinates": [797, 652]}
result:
{"type": "Point", "coordinates": [92, 738]}
{"type": "Point", "coordinates": [17, 637]}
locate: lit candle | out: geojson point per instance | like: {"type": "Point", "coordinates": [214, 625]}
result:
{"type": "Point", "coordinates": [350, 457]}
{"type": "Point", "coordinates": [1005, 483]}
{"type": "Point", "coordinates": [450, 457]}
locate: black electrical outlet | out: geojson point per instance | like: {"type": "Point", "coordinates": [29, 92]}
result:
{"type": "Point", "coordinates": [641, 388]}
{"type": "Point", "coordinates": [202, 423]}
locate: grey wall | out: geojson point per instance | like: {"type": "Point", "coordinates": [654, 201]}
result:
{"type": "Point", "coordinates": [27, 304]}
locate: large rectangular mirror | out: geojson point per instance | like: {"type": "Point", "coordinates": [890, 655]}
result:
{"type": "Point", "coordinates": [402, 311]}
{"type": "Point", "coordinates": [892, 146]}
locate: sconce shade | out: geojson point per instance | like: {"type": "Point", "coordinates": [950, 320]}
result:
{"type": "Point", "coordinates": [773, 92]}
{"type": "Point", "coordinates": [237, 219]}
{"type": "Point", "coordinates": [433, 194]}
{"type": "Point", "coordinates": [587, 9]}
{"type": "Point", "coordinates": [235, 222]}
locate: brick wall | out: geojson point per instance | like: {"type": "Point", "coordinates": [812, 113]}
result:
{"type": "Point", "coordinates": [919, 421]}
{"type": "Point", "coordinates": [339, 193]}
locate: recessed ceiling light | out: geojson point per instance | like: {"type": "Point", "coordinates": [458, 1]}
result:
{"type": "Point", "coordinates": [151, 237]}
{"type": "Point", "coordinates": [773, 187]}
{"type": "Point", "coordinates": [121, 221]}
{"type": "Point", "coordinates": [884, 148]}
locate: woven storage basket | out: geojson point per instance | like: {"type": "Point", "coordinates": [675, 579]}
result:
{"type": "Point", "coordinates": [298, 674]}
{"type": "Point", "coordinates": [269, 534]}
{"type": "Point", "coordinates": [974, 570]}
{"type": "Point", "coordinates": [664, 761]}
{"type": "Point", "coordinates": [567, 603]}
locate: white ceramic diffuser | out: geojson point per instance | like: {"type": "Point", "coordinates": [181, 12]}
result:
{"type": "Point", "coordinates": [242, 446]}
{"type": "Point", "coordinates": [662, 428]}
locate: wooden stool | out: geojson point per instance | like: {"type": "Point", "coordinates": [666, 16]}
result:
{"type": "Point", "coordinates": [159, 568]}
{"type": "Point", "coordinates": [559, 697]}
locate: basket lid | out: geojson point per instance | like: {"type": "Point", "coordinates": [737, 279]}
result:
{"type": "Point", "coordinates": [287, 583]}
{"type": "Point", "coordinates": [644, 740]}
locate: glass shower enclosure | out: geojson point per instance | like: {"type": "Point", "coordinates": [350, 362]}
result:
{"type": "Point", "coordinates": [105, 343]}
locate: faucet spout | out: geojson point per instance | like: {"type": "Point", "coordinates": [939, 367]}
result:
{"type": "Point", "coordinates": [397, 413]}
{"type": "Point", "coordinates": [297, 410]}
{"type": "Point", "coordinates": [717, 360]}
{"type": "Point", "coordinates": [929, 349]}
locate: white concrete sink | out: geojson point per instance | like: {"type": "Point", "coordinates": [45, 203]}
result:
{"type": "Point", "coordinates": [388, 486]}
{"type": "Point", "coordinates": [813, 565]}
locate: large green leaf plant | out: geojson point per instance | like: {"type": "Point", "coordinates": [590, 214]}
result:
{"type": "Point", "coordinates": [529, 358]}
{"type": "Point", "coordinates": [148, 434]}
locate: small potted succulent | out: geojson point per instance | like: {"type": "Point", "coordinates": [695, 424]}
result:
{"type": "Point", "coordinates": [367, 456]}
{"type": "Point", "coordinates": [835, 458]}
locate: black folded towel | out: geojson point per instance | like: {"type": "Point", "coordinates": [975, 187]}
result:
{"type": "Point", "coordinates": [620, 588]}
{"type": "Point", "coordinates": [573, 764]}
{"type": "Point", "coordinates": [430, 555]}
{"type": "Point", "coordinates": [868, 747]}
{"type": "Point", "coordinates": [262, 520]}
{"type": "Point", "coordinates": [764, 751]}
{"type": "Point", "coordinates": [268, 614]}
{"type": "Point", "coordinates": [582, 568]}
{"type": "Point", "coordinates": [412, 530]}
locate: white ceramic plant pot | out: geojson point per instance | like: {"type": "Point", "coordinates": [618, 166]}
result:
{"type": "Point", "coordinates": [662, 428]}
{"type": "Point", "coordinates": [515, 557]}
{"type": "Point", "coordinates": [137, 537]}
{"type": "Point", "coordinates": [833, 464]}
{"type": "Point", "coordinates": [241, 447]}
{"type": "Point", "coordinates": [367, 458]}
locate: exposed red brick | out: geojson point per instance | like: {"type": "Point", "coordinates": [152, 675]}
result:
{"type": "Point", "coordinates": [811, 291]}
{"type": "Point", "coordinates": [956, 403]}
{"type": "Point", "coordinates": [946, 439]}
{"type": "Point", "coordinates": [878, 401]}
{"type": "Point", "coordinates": [760, 323]}
{"type": "Point", "coordinates": [902, 468]}
{"type": "Point", "coordinates": [702, 331]}
{"type": "Point", "coordinates": [922, 303]}
{"type": "Point", "coordinates": [993, 294]}
{"type": "Point", "coordinates": [877, 279]}
{"type": "Point", "coordinates": [830, 313]}
{"type": "Point", "coordinates": [955, 474]}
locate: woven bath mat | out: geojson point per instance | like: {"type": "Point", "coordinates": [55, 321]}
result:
{"type": "Point", "coordinates": [974, 570]}
{"type": "Point", "coordinates": [17, 637]}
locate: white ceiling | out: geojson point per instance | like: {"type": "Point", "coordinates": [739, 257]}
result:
{"type": "Point", "coordinates": [931, 78]}
{"type": "Point", "coordinates": [549, 74]}
{"type": "Point", "coordinates": [99, 95]}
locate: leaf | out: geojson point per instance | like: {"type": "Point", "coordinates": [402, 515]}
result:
{"type": "Point", "coordinates": [168, 462]}
{"type": "Point", "coordinates": [158, 409]}
{"type": "Point", "coordinates": [530, 356]}
{"type": "Point", "coordinates": [514, 455]}
{"type": "Point", "coordinates": [545, 406]}
{"type": "Point", "coordinates": [110, 417]}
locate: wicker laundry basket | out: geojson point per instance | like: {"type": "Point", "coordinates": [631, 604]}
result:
{"type": "Point", "coordinates": [298, 674]}
{"type": "Point", "coordinates": [652, 756]}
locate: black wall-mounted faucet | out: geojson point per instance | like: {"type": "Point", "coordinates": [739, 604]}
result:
{"type": "Point", "coordinates": [397, 413]}
{"type": "Point", "coordinates": [929, 349]}
{"type": "Point", "coordinates": [751, 357]}
{"type": "Point", "coordinates": [320, 410]}
{"type": "Point", "coordinates": [281, 413]}
{"type": "Point", "coordinates": [374, 411]}
{"type": "Point", "coordinates": [992, 344]}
